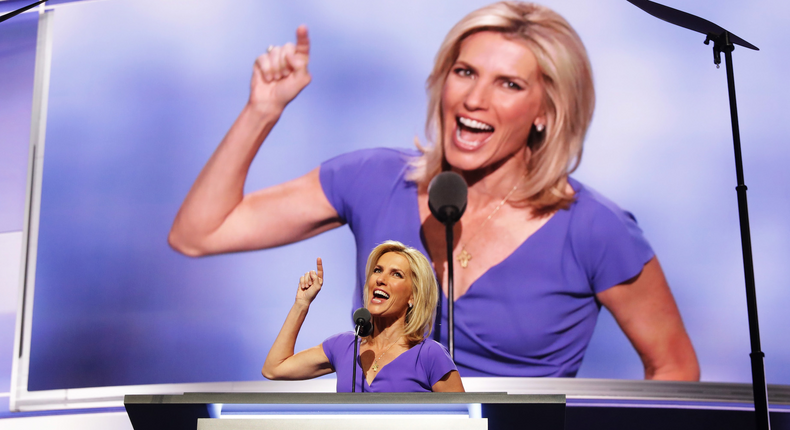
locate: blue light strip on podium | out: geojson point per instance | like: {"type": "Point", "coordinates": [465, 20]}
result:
{"type": "Point", "coordinates": [464, 409]}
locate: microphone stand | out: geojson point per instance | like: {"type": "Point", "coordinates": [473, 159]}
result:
{"type": "Point", "coordinates": [450, 292]}
{"type": "Point", "coordinates": [724, 41]}
{"type": "Point", "coordinates": [354, 361]}
{"type": "Point", "coordinates": [363, 326]}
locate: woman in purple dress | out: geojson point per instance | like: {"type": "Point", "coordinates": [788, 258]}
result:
{"type": "Point", "coordinates": [510, 100]}
{"type": "Point", "coordinates": [397, 356]}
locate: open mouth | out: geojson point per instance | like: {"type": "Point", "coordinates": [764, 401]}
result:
{"type": "Point", "coordinates": [472, 134]}
{"type": "Point", "coordinates": [380, 296]}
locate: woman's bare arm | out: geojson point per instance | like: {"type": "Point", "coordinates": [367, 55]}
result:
{"type": "Point", "coordinates": [646, 311]}
{"type": "Point", "coordinates": [216, 216]}
{"type": "Point", "coordinates": [281, 363]}
{"type": "Point", "coordinates": [450, 383]}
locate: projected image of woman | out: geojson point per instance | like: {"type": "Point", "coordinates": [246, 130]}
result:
{"type": "Point", "coordinates": [401, 294]}
{"type": "Point", "coordinates": [510, 100]}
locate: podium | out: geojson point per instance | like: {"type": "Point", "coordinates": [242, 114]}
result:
{"type": "Point", "coordinates": [570, 403]}
{"type": "Point", "coordinates": [306, 411]}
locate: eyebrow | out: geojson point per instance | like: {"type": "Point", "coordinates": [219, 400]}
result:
{"type": "Point", "coordinates": [379, 266]}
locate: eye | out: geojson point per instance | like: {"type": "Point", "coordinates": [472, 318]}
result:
{"type": "Point", "coordinates": [399, 274]}
{"type": "Point", "coordinates": [512, 85]}
{"type": "Point", "coordinates": [377, 270]}
{"type": "Point", "coordinates": [462, 71]}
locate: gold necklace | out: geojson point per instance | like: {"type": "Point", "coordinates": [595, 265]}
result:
{"type": "Point", "coordinates": [375, 366]}
{"type": "Point", "coordinates": [464, 256]}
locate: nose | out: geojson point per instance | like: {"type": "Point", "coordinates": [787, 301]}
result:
{"type": "Point", "coordinates": [477, 97]}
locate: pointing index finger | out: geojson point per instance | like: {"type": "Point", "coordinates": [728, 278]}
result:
{"type": "Point", "coordinates": [319, 268]}
{"type": "Point", "coordinates": [302, 40]}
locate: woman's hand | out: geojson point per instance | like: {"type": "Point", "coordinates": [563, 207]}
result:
{"type": "Point", "coordinates": [310, 284]}
{"type": "Point", "coordinates": [281, 363]}
{"type": "Point", "coordinates": [281, 74]}
{"type": "Point", "coordinates": [216, 216]}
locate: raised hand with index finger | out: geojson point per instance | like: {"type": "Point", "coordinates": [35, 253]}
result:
{"type": "Point", "coordinates": [281, 73]}
{"type": "Point", "coordinates": [310, 284]}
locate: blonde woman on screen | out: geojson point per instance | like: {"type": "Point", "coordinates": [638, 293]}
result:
{"type": "Point", "coordinates": [510, 100]}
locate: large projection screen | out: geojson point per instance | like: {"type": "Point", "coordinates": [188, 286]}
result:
{"type": "Point", "coordinates": [142, 91]}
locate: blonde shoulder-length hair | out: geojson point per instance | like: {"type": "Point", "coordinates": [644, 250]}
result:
{"type": "Point", "coordinates": [419, 318]}
{"type": "Point", "coordinates": [566, 76]}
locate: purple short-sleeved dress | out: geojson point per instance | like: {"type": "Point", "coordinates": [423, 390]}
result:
{"type": "Point", "coordinates": [414, 371]}
{"type": "Point", "coordinates": [533, 314]}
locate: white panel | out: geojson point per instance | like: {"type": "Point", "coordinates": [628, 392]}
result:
{"type": "Point", "coordinates": [108, 421]}
{"type": "Point", "coordinates": [345, 423]}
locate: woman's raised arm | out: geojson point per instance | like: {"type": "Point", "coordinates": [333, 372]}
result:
{"type": "Point", "coordinates": [216, 216]}
{"type": "Point", "coordinates": [281, 363]}
{"type": "Point", "coordinates": [646, 311]}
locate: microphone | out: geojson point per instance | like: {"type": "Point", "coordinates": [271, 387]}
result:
{"type": "Point", "coordinates": [447, 200]}
{"type": "Point", "coordinates": [447, 197]}
{"type": "Point", "coordinates": [364, 327]}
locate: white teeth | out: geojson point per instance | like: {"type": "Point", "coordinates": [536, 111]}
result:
{"type": "Point", "coordinates": [477, 125]}
{"type": "Point", "coordinates": [467, 142]}
{"type": "Point", "coordinates": [379, 293]}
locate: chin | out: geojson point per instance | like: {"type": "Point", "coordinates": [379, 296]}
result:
{"type": "Point", "coordinates": [464, 159]}
{"type": "Point", "coordinates": [489, 155]}
{"type": "Point", "coordinates": [463, 164]}
{"type": "Point", "coordinates": [377, 310]}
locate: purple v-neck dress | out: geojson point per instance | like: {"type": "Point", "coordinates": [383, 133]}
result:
{"type": "Point", "coordinates": [414, 371]}
{"type": "Point", "coordinates": [533, 314]}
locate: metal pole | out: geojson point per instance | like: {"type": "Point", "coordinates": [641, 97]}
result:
{"type": "Point", "coordinates": [354, 371]}
{"type": "Point", "coordinates": [759, 386]}
{"type": "Point", "coordinates": [450, 293]}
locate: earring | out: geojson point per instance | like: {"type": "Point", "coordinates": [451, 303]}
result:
{"type": "Point", "coordinates": [411, 305]}
{"type": "Point", "coordinates": [539, 127]}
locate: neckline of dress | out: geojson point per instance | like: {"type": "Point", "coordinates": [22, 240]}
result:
{"type": "Point", "coordinates": [359, 363]}
{"type": "Point", "coordinates": [575, 185]}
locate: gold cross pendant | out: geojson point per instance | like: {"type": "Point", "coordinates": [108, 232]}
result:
{"type": "Point", "coordinates": [464, 258]}
{"type": "Point", "coordinates": [375, 367]}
